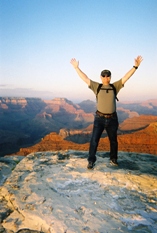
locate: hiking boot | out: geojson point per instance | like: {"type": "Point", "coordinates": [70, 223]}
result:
{"type": "Point", "coordinates": [90, 165]}
{"type": "Point", "coordinates": [114, 162]}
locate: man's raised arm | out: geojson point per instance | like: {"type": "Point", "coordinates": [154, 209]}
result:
{"type": "Point", "coordinates": [82, 75]}
{"type": "Point", "coordinates": [138, 61]}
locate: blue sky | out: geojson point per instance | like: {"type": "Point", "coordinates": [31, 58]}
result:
{"type": "Point", "coordinates": [38, 38]}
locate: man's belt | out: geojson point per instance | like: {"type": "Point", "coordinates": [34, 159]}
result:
{"type": "Point", "coordinates": [106, 115]}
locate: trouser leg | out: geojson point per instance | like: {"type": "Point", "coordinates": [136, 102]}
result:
{"type": "Point", "coordinates": [112, 135]}
{"type": "Point", "coordinates": [96, 134]}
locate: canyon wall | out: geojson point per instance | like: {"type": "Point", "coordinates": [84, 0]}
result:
{"type": "Point", "coordinates": [25, 121]}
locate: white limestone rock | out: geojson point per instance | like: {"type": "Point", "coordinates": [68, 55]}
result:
{"type": "Point", "coordinates": [7, 164]}
{"type": "Point", "coordinates": [53, 192]}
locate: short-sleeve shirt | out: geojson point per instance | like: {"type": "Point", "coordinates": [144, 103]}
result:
{"type": "Point", "coordinates": [106, 102]}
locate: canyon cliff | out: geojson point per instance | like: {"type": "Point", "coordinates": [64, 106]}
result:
{"type": "Point", "coordinates": [25, 121]}
{"type": "Point", "coordinates": [142, 141]}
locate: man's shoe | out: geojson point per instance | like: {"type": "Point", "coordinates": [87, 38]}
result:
{"type": "Point", "coordinates": [114, 162]}
{"type": "Point", "coordinates": [90, 165]}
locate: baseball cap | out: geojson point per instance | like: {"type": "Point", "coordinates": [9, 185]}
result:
{"type": "Point", "coordinates": [106, 73]}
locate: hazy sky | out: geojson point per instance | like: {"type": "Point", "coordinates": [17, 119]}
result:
{"type": "Point", "coordinates": [38, 38]}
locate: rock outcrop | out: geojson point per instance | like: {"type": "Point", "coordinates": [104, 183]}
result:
{"type": "Point", "coordinates": [79, 136]}
{"type": "Point", "coordinates": [137, 122]}
{"type": "Point", "coordinates": [142, 141]}
{"type": "Point", "coordinates": [53, 192]}
{"type": "Point", "coordinates": [52, 141]}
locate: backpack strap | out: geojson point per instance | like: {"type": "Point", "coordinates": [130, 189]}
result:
{"type": "Point", "coordinates": [113, 87]}
{"type": "Point", "coordinates": [98, 89]}
{"type": "Point", "coordinates": [115, 92]}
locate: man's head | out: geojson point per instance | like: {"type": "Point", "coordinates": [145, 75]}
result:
{"type": "Point", "coordinates": [105, 77]}
{"type": "Point", "coordinates": [106, 73]}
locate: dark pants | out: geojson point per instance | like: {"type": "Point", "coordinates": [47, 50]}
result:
{"type": "Point", "coordinates": [111, 126]}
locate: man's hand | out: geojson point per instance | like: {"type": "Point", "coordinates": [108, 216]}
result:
{"type": "Point", "coordinates": [82, 75]}
{"type": "Point", "coordinates": [74, 63]}
{"type": "Point", "coordinates": [138, 61]}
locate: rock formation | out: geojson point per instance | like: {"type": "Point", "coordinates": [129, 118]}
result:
{"type": "Point", "coordinates": [142, 141]}
{"type": "Point", "coordinates": [53, 192]}
{"type": "Point", "coordinates": [24, 121]}
{"type": "Point", "coordinates": [137, 122]}
{"type": "Point", "coordinates": [80, 136]}
{"type": "Point", "coordinates": [52, 141]}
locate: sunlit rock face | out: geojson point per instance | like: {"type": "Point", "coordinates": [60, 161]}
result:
{"type": "Point", "coordinates": [142, 141]}
{"type": "Point", "coordinates": [54, 192]}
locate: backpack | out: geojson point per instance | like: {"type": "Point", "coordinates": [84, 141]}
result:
{"type": "Point", "coordinates": [113, 88]}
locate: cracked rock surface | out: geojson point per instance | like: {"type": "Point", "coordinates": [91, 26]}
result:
{"type": "Point", "coordinates": [53, 192]}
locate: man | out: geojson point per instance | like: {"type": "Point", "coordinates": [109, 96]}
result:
{"type": "Point", "coordinates": [106, 116]}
